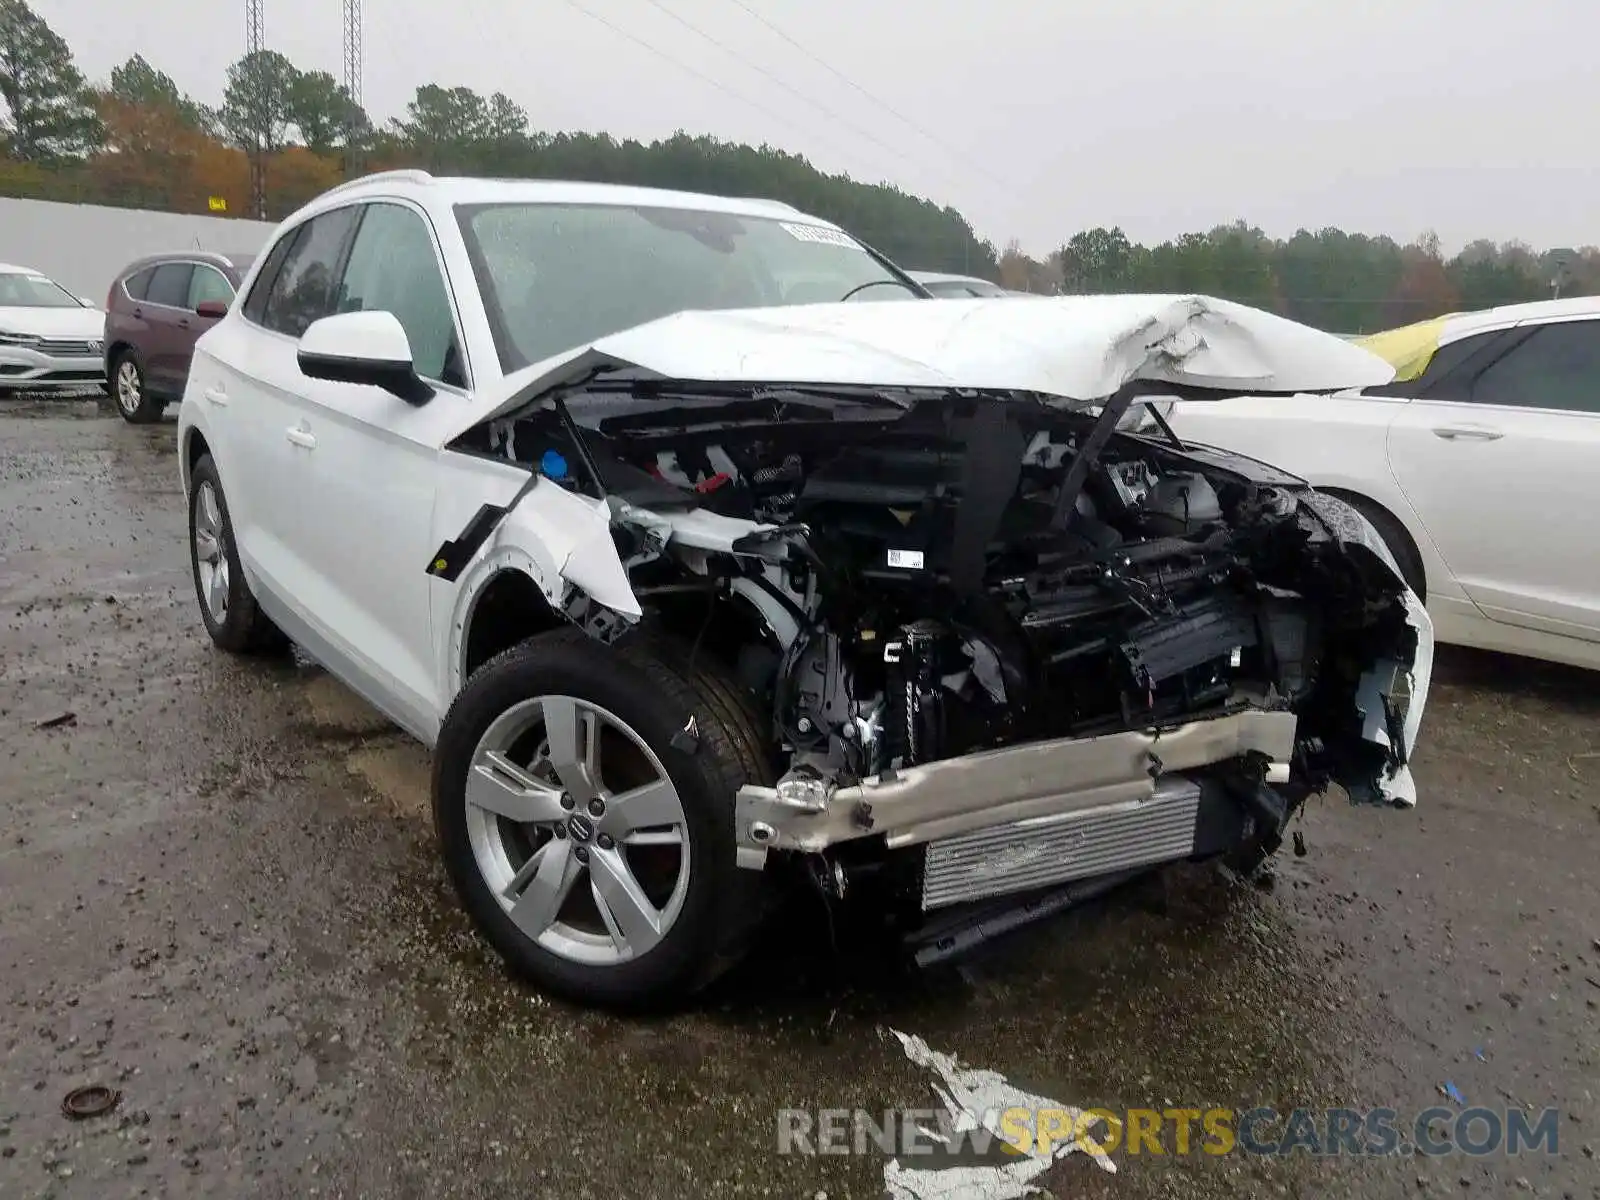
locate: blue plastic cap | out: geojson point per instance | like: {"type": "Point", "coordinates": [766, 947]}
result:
{"type": "Point", "coordinates": [553, 464]}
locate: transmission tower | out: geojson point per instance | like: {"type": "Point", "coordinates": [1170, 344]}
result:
{"type": "Point", "coordinates": [254, 40]}
{"type": "Point", "coordinates": [352, 86]}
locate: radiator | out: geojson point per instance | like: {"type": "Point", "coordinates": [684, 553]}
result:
{"type": "Point", "coordinates": [1049, 850]}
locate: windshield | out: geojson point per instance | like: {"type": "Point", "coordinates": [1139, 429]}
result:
{"type": "Point", "coordinates": [556, 276]}
{"type": "Point", "coordinates": [33, 291]}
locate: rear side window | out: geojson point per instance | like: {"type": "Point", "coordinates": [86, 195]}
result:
{"type": "Point", "coordinates": [1557, 367]}
{"type": "Point", "coordinates": [170, 285]}
{"type": "Point", "coordinates": [136, 283]}
{"type": "Point", "coordinates": [304, 289]}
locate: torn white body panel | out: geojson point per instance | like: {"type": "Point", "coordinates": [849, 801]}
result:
{"type": "Point", "coordinates": [1375, 695]}
{"type": "Point", "coordinates": [1079, 349]}
{"type": "Point", "coordinates": [697, 529]}
{"type": "Point", "coordinates": [976, 1098]}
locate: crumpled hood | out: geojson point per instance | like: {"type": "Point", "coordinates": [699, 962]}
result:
{"type": "Point", "coordinates": [1080, 349]}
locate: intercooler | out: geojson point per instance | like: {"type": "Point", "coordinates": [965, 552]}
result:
{"type": "Point", "coordinates": [1043, 851]}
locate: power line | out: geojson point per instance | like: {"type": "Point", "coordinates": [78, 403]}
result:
{"type": "Point", "coordinates": [684, 67]}
{"type": "Point", "coordinates": [842, 77]}
{"type": "Point", "coordinates": [771, 78]}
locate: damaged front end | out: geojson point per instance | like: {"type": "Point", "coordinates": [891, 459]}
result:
{"type": "Point", "coordinates": [1003, 647]}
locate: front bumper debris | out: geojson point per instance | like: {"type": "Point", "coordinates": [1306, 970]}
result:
{"type": "Point", "coordinates": [1041, 780]}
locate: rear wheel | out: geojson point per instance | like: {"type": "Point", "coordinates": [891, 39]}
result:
{"type": "Point", "coordinates": [583, 797]}
{"type": "Point", "coordinates": [127, 388]}
{"type": "Point", "coordinates": [227, 607]}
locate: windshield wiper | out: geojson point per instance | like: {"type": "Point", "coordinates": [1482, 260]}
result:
{"type": "Point", "coordinates": [861, 287]}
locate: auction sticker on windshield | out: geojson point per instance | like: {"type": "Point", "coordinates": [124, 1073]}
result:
{"type": "Point", "coordinates": [823, 237]}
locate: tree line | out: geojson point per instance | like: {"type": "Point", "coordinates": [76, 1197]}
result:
{"type": "Point", "coordinates": [137, 140]}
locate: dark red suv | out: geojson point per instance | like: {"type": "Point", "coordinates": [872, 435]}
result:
{"type": "Point", "coordinates": [158, 308]}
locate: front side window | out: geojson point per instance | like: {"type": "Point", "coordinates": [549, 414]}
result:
{"type": "Point", "coordinates": [557, 276]}
{"type": "Point", "coordinates": [303, 289]}
{"type": "Point", "coordinates": [393, 268]}
{"type": "Point", "coordinates": [255, 304]}
{"type": "Point", "coordinates": [34, 291]}
{"type": "Point", "coordinates": [209, 283]}
{"type": "Point", "coordinates": [1558, 366]}
{"type": "Point", "coordinates": [170, 285]}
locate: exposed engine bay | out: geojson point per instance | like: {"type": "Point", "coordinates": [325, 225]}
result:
{"type": "Point", "coordinates": [903, 579]}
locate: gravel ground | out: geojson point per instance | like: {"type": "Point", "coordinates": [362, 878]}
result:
{"type": "Point", "coordinates": [218, 895]}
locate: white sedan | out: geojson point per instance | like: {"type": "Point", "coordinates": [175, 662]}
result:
{"type": "Point", "coordinates": [1478, 464]}
{"type": "Point", "coordinates": [869, 596]}
{"type": "Point", "coordinates": [957, 287]}
{"type": "Point", "coordinates": [49, 338]}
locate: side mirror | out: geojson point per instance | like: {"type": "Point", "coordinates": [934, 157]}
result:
{"type": "Point", "coordinates": [211, 308]}
{"type": "Point", "coordinates": [368, 348]}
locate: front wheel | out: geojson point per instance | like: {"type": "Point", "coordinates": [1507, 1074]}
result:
{"type": "Point", "coordinates": [583, 797]}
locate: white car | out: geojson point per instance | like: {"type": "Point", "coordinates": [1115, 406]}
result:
{"type": "Point", "coordinates": [1478, 466]}
{"type": "Point", "coordinates": [49, 338]}
{"type": "Point", "coordinates": [692, 603]}
{"type": "Point", "coordinates": [957, 287]}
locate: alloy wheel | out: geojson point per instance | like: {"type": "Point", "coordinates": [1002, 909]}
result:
{"type": "Point", "coordinates": [578, 831]}
{"type": "Point", "coordinates": [129, 387]}
{"type": "Point", "coordinates": [211, 552]}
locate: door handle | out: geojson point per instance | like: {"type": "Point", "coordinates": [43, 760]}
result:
{"type": "Point", "coordinates": [1476, 433]}
{"type": "Point", "coordinates": [302, 437]}
{"type": "Point", "coordinates": [216, 396]}
{"type": "Point", "coordinates": [139, 312]}
{"type": "Point", "coordinates": [183, 323]}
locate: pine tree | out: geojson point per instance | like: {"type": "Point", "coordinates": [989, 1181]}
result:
{"type": "Point", "coordinates": [48, 115]}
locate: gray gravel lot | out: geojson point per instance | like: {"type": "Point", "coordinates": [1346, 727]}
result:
{"type": "Point", "coordinates": [218, 894]}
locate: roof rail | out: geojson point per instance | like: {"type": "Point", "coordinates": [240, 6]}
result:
{"type": "Point", "coordinates": [403, 174]}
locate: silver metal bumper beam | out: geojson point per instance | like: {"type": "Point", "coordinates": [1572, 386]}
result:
{"type": "Point", "coordinates": [998, 787]}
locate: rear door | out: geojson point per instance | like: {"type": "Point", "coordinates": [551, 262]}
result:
{"type": "Point", "coordinates": [1502, 473]}
{"type": "Point", "coordinates": [168, 340]}
{"type": "Point", "coordinates": [373, 473]}
{"type": "Point", "coordinates": [123, 327]}
{"type": "Point", "coordinates": [248, 376]}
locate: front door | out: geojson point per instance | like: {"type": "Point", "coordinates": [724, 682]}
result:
{"type": "Point", "coordinates": [1504, 479]}
{"type": "Point", "coordinates": [375, 467]}
{"type": "Point", "coordinates": [206, 283]}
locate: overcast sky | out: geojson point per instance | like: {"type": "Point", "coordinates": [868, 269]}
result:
{"type": "Point", "coordinates": [1474, 117]}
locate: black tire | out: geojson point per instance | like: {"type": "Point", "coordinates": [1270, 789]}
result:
{"type": "Point", "coordinates": [648, 684]}
{"type": "Point", "coordinates": [1395, 537]}
{"type": "Point", "coordinates": [136, 404]}
{"type": "Point", "coordinates": [243, 627]}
